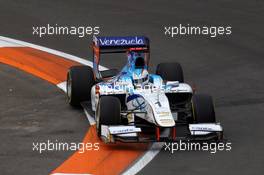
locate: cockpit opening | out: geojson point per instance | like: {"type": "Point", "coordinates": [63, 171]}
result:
{"type": "Point", "coordinates": [139, 63]}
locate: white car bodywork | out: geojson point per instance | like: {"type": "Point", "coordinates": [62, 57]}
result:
{"type": "Point", "coordinates": [150, 104]}
{"type": "Point", "coordinates": [155, 102]}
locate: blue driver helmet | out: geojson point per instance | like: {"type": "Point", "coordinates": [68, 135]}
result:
{"type": "Point", "coordinates": [140, 77]}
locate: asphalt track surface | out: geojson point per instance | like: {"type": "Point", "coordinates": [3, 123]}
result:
{"type": "Point", "coordinates": [230, 68]}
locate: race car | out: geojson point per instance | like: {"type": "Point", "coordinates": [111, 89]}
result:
{"type": "Point", "coordinates": [133, 105]}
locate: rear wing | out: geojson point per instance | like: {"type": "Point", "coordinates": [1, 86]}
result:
{"type": "Point", "coordinates": [120, 44]}
{"type": "Point", "coordinates": [117, 44]}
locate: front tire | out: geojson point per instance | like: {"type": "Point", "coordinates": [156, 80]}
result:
{"type": "Point", "coordinates": [108, 112]}
{"type": "Point", "coordinates": [203, 108]}
{"type": "Point", "coordinates": [80, 80]}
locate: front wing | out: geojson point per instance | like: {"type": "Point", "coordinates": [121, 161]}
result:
{"type": "Point", "coordinates": [183, 132]}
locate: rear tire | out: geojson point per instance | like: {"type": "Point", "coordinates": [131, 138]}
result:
{"type": "Point", "coordinates": [203, 108]}
{"type": "Point", "coordinates": [170, 72]}
{"type": "Point", "coordinates": [80, 80]}
{"type": "Point", "coordinates": [108, 112]}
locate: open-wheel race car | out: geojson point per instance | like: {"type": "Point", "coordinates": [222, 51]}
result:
{"type": "Point", "coordinates": [133, 105]}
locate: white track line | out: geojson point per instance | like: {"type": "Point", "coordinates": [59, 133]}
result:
{"type": "Point", "coordinates": [45, 49]}
{"type": "Point", "coordinates": [62, 86]}
{"type": "Point", "coordinates": [8, 44]}
{"type": "Point", "coordinates": [143, 160]}
{"type": "Point", "coordinates": [89, 117]}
